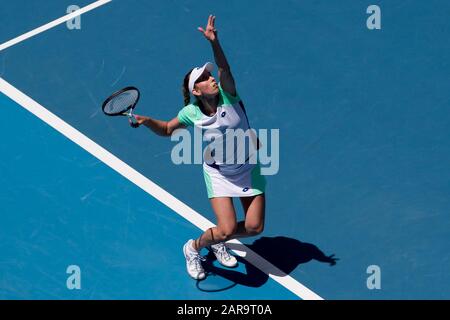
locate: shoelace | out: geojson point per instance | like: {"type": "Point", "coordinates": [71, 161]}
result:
{"type": "Point", "coordinates": [222, 250]}
{"type": "Point", "coordinates": [195, 260]}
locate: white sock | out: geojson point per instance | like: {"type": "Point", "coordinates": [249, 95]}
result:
{"type": "Point", "coordinates": [191, 247]}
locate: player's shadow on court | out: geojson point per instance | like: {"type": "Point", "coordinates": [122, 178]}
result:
{"type": "Point", "coordinates": [285, 254]}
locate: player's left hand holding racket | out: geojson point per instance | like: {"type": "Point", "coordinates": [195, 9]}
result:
{"type": "Point", "coordinates": [122, 103]}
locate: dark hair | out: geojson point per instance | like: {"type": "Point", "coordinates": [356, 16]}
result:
{"type": "Point", "coordinates": [185, 88]}
{"type": "Point", "coordinates": [187, 94]}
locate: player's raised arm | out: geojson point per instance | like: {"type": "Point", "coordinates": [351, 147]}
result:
{"type": "Point", "coordinates": [225, 76]}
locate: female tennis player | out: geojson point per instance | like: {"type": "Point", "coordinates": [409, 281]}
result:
{"type": "Point", "coordinates": [217, 106]}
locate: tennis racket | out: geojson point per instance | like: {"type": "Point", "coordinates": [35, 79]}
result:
{"type": "Point", "coordinates": [122, 103]}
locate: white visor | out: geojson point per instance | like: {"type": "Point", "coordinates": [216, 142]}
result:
{"type": "Point", "coordinates": [197, 72]}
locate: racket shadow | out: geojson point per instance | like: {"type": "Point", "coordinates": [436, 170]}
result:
{"type": "Point", "coordinates": [282, 252]}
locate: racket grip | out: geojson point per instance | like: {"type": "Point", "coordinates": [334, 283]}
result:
{"type": "Point", "coordinates": [133, 121]}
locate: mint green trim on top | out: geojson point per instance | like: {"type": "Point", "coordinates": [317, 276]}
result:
{"type": "Point", "coordinates": [208, 184]}
{"type": "Point", "coordinates": [192, 113]}
{"type": "Point", "coordinates": [189, 114]}
{"type": "Point", "coordinates": [258, 181]}
{"type": "Point", "coordinates": [226, 98]}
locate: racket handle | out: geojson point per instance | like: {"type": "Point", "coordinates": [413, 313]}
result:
{"type": "Point", "coordinates": [132, 120]}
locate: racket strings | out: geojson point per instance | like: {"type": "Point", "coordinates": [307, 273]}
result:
{"type": "Point", "coordinates": [122, 102]}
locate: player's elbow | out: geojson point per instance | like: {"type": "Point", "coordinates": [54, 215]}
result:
{"type": "Point", "coordinates": [224, 69]}
{"type": "Point", "coordinates": [162, 130]}
{"type": "Point", "coordinates": [168, 130]}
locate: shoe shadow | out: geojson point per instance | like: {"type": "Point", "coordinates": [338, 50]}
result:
{"type": "Point", "coordinates": [284, 254]}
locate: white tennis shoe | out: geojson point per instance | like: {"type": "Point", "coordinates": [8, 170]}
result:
{"type": "Point", "coordinates": [193, 261]}
{"type": "Point", "coordinates": [223, 256]}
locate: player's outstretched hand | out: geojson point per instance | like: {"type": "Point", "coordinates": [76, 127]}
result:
{"type": "Point", "coordinates": [139, 120]}
{"type": "Point", "coordinates": [210, 32]}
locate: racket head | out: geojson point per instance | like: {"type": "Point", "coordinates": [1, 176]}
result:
{"type": "Point", "coordinates": [121, 102]}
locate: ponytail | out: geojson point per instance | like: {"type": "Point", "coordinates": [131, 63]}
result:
{"type": "Point", "coordinates": [185, 89]}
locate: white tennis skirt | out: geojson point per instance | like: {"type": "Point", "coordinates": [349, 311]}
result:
{"type": "Point", "coordinates": [246, 182]}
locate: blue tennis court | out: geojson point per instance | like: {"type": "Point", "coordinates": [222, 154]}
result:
{"type": "Point", "coordinates": [364, 124]}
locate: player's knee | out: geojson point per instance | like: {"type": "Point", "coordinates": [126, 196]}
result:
{"type": "Point", "coordinates": [254, 229]}
{"type": "Point", "coordinates": [227, 232]}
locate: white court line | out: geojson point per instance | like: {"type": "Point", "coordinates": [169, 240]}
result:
{"type": "Point", "coordinates": [52, 24]}
{"type": "Point", "coordinates": [151, 188]}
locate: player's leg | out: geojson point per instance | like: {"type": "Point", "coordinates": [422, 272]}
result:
{"type": "Point", "coordinates": [214, 237]}
{"type": "Point", "coordinates": [226, 223]}
{"type": "Point", "coordinates": [254, 209]}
